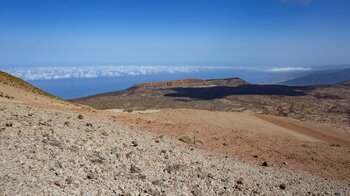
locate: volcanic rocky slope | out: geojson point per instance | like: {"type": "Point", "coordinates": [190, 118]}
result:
{"type": "Point", "coordinates": [12, 81]}
{"type": "Point", "coordinates": [51, 152]}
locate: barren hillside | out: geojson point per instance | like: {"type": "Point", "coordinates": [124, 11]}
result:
{"type": "Point", "coordinates": [14, 89]}
{"type": "Point", "coordinates": [49, 148]}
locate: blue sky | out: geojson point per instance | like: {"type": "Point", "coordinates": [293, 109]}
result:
{"type": "Point", "coordinates": [174, 32]}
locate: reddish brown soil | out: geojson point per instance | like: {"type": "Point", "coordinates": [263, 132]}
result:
{"type": "Point", "coordinates": [317, 134]}
{"type": "Point", "coordinates": [255, 138]}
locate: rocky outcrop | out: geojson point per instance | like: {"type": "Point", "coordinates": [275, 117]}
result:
{"type": "Point", "coordinates": [191, 83]}
{"type": "Point", "coordinates": [226, 82]}
{"type": "Point", "coordinates": [171, 83]}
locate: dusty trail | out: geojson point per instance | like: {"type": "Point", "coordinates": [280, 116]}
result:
{"type": "Point", "coordinates": [326, 137]}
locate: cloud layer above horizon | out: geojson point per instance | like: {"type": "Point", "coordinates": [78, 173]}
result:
{"type": "Point", "coordinates": [65, 72]}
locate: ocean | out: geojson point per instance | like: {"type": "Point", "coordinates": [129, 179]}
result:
{"type": "Point", "coordinates": [69, 88]}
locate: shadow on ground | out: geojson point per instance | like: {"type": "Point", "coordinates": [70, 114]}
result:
{"type": "Point", "coordinates": [207, 93]}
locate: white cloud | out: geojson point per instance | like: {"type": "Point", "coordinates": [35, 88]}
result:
{"type": "Point", "coordinates": [287, 69]}
{"type": "Point", "coordinates": [61, 72]}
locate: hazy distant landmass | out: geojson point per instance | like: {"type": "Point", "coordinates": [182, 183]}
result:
{"type": "Point", "coordinates": [320, 78]}
{"type": "Point", "coordinates": [346, 83]}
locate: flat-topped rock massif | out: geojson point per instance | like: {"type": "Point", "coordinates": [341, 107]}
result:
{"type": "Point", "coordinates": [172, 83]}
{"type": "Point", "coordinates": [191, 83]}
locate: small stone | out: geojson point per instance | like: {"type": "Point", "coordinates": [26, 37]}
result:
{"type": "Point", "coordinates": [255, 156]}
{"type": "Point", "coordinates": [283, 186]}
{"type": "Point", "coordinates": [134, 169]}
{"type": "Point", "coordinates": [225, 179]}
{"type": "Point", "coordinates": [196, 192]}
{"type": "Point", "coordinates": [240, 181]}
{"type": "Point", "coordinates": [265, 164]}
{"type": "Point", "coordinates": [44, 123]}
{"type": "Point", "coordinates": [55, 142]}
{"type": "Point", "coordinates": [142, 177]}
{"type": "Point", "coordinates": [157, 182]}
{"type": "Point", "coordinates": [157, 141]}
{"type": "Point", "coordinates": [88, 124]}
{"type": "Point", "coordinates": [128, 155]}
{"type": "Point", "coordinates": [91, 176]}
{"type": "Point", "coordinates": [238, 187]}
{"type": "Point", "coordinates": [97, 160]}
{"type": "Point", "coordinates": [225, 144]}
{"type": "Point", "coordinates": [9, 124]}
{"type": "Point", "coordinates": [134, 143]}
{"type": "Point", "coordinates": [69, 180]}
{"type": "Point", "coordinates": [163, 151]}
{"type": "Point", "coordinates": [153, 192]}
{"type": "Point", "coordinates": [66, 123]}
{"type": "Point", "coordinates": [80, 116]}
{"type": "Point", "coordinates": [172, 168]}
{"type": "Point", "coordinates": [58, 164]}
{"type": "Point", "coordinates": [58, 183]}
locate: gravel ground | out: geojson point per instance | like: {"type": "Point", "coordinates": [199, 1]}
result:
{"type": "Point", "coordinates": [56, 152]}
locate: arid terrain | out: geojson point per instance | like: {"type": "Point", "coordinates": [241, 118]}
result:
{"type": "Point", "coordinates": [282, 142]}
{"type": "Point", "coordinates": [329, 104]}
{"type": "Point", "coordinates": [52, 147]}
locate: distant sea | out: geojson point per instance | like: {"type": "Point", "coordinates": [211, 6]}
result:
{"type": "Point", "coordinates": [79, 87]}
